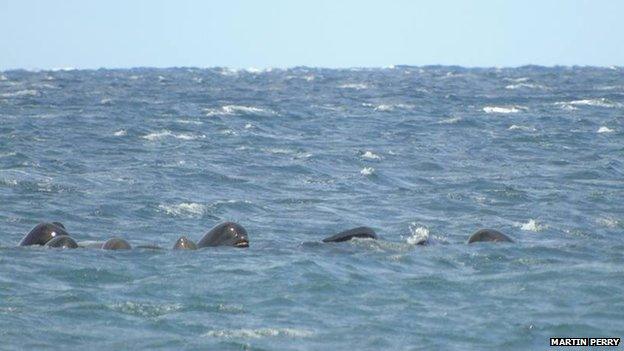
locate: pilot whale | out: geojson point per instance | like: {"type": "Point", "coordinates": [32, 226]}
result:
{"type": "Point", "coordinates": [225, 234]}
{"type": "Point", "coordinates": [62, 241]}
{"type": "Point", "coordinates": [488, 235]}
{"type": "Point", "coordinates": [184, 243]}
{"type": "Point", "coordinates": [359, 232]}
{"type": "Point", "coordinates": [42, 233]}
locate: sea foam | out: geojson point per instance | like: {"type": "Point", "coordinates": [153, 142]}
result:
{"type": "Point", "coordinates": [168, 134]}
{"type": "Point", "coordinates": [259, 333]}
{"type": "Point", "coordinates": [185, 209]}
{"type": "Point", "coordinates": [502, 109]}
{"type": "Point", "coordinates": [604, 129]}
{"type": "Point", "coordinates": [237, 110]}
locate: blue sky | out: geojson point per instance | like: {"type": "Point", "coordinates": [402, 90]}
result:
{"type": "Point", "coordinates": [340, 33]}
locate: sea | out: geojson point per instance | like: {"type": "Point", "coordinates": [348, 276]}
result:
{"type": "Point", "coordinates": [296, 155]}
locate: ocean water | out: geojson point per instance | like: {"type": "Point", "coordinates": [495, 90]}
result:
{"type": "Point", "coordinates": [294, 156]}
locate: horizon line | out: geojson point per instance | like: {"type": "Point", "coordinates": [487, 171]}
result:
{"type": "Point", "coordinates": [254, 69]}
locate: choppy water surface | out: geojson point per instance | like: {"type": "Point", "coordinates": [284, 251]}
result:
{"type": "Point", "coordinates": [296, 155]}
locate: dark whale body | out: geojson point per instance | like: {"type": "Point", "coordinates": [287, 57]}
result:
{"type": "Point", "coordinates": [116, 244]}
{"type": "Point", "coordinates": [62, 241]}
{"type": "Point", "coordinates": [359, 232]}
{"type": "Point", "coordinates": [184, 243]}
{"type": "Point", "coordinates": [488, 235]}
{"type": "Point", "coordinates": [225, 234]}
{"type": "Point", "coordinates": [42, 233]}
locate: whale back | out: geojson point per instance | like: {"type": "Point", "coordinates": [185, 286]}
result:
{"type": "Point", "coordinates": [42, 233]}
{"type": "Point", "coordinates": [225, 234]}
{"type": "Point", "coordinates": [488, 235]}
{"type": "Point", "coordinates": [184, 243]}
{"type": "Point", "coordinates": [116, 244]}
{"type": "Point", "coordinates": [62, 241]}
{"type": "Point", "coordinates": [359, 232]}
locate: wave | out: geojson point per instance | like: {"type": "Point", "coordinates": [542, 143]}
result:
{"type": "Point", "coordinates": [145, 309]}
{"type": "Point", "coordinates": [525, 128]}
{"type": "Point", "coordinates": [518, 80]}
{"type": "Point", "coordinates": [355, 86]}
{"type": "Point", "coordinates": [418, 234]}
{"type": "Point", "coordinates": [167, 133]}
{"type": "Point", "coordinates": [26, 92]}
{"type": "Point", "coordinates": [525, 86]}
{"type": "Point", "coordinates": [238, 110]}
{"type": "Point", "coordinates": [605, 129]}
{"type": "Point", "coordinates": [503, 109]}
{"type": "Point", "coordinates": [600, 102]}
{"type": "Point", "coordinates": [188, 121]}
{"type": "Point", "coordinates": [386, 108]}
{"type": "Point", "coordinates": [259, 333]}
{"type": "Point", "coordinates": [371, 155]}
{"type": "Point", "coordinates": [3, 77]}
{"type": "Point", "coordinates": [366, 171]}
{"type": "Point", "coordinates": [185, 209]}
{"type": "Point", "coordinates": [532, 226]}
{"type": "Point", "coordinates": [451, 120]}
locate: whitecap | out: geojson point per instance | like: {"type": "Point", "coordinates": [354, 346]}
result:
{"type": "Point", "coordinates": [502, 109]}
{"type": "Point", "coordinates": [259, 333]}
{"type": "Point", "coordinates": [392, 107]}
{"type": "Point", "coordinates": [601, 102]}
{"type": "Point", "coordinates": [371, 155]}
{"type": "Point", "coordinates": [278, 151]}
{"type": "Point", "coordinates": [187, 121]}
{"type": "Point", "coordinates": [167, 133]}
{"type": "Point", "coordinates": [604, 129]}
{"type": "Point", "coordinates": [3, 77]}
{"type": "Point", "coordinates": [237, 110]}
{"type": "Point", "coordinates": [255, 70]}
{"type": "Point", "coordinates": [518, 80]}
{"type": "Point", "coordinates": [525, 86]}
{"type": "Point", "coordinates": [26, 92]}
{"type": "Point", "coordinates": [121, 132]}
{"type": "Point", "coordinates": [106, 101]}
{"type": "Point", "coordinates": [228, 71]}
{"type": "Point", "coordinates": [525, 128]}
{"type": "Point", "coordinates": [418, 234]}
{"type": "Point", "coordinates": [355, 86]}
{"type": "Point", "coordinates": [532, 226]}
{"type": "Point", "coordinates": [248, 126]}
{"type": "Point", "coordinates": [185, 209]}
{"type": "Point", "coordinates": [450, 120]}
{"type": "Point", "coordinates": [367, 171]}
